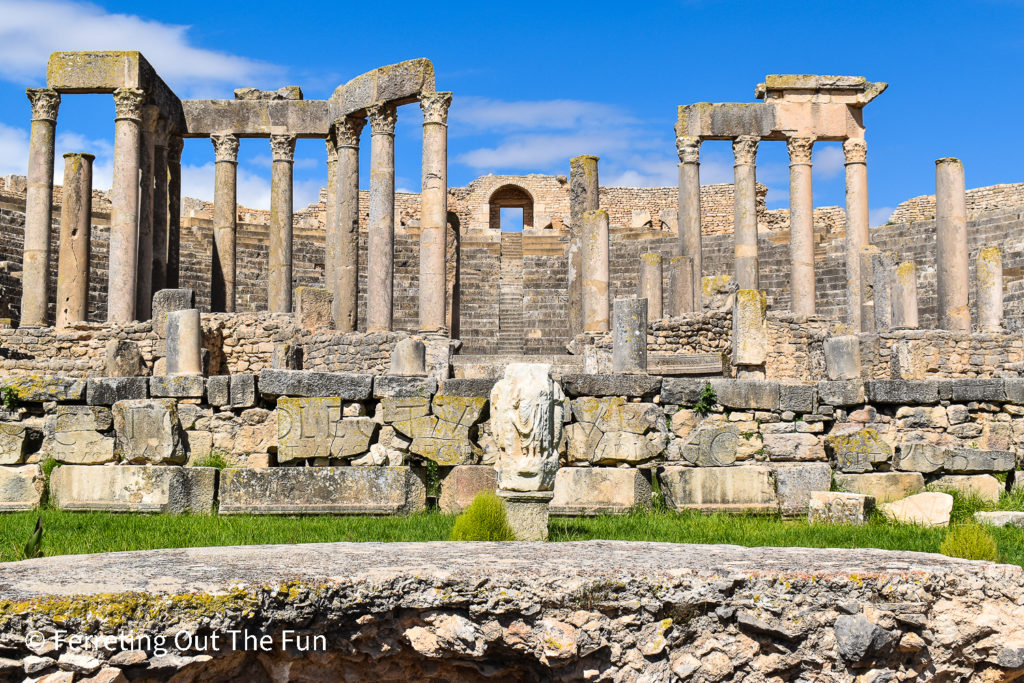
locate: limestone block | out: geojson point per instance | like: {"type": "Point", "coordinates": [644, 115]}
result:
{"type": "Point", "coordinates": [626, 447]}
{"type": "Point", "coordinates": [585, 491]}
{"type": "Point", "coordinates": [218, 390]}
{"type": "Point", "coordinates": [106, 391]}
{"type": "Point", "coordinates": [76, 439]}
{"type": "Point", "coordinates": [919, 457]}
{"type": "Point", "coordinates": [35, 388]}
{"type": "Point", "coordinates": [669, 219]}
{"type": "Point", "coordinates": [831, 507]}
{"type": "Point", "coordinates": [629, 336]}
{"type": "Point", "coordinates": [903, 392]}
{"type": "Point", "coordinates": [286, 356]}
{"type": "Point", "coordinates": [681, 391]}
{"type": "Point", "coordinates": [975, 460]}
{"type": "Point", "coordinates": [21, 488]}
{"type": "Point", "coordinates": [746, 393]}
{"type": "Point", "coordinates": [463, 483]}
{"type": "Point", "coordinates": [409, 358]}
{"type": "Point", "coordinates": [314, 428]}
{"type": "Point", "coordinates": [471, 388]}
{"type": "Point", "coordinates": [911, 417]}
{"type": "Point", "coordinates": [882, 486]}
{"type": "Point", "coordinates": [907, 361]}
{"type": "Point", "coordinates": [798, 398]}
{"type": "Point", "coordinates": [794, 484]}
{"type": "Point", "coordinates": [858, 451]}
{"type": "Point", "coordinates": [243, 391]}
{"type": "Point", "coordinates": [639, 220]}
{"type": "Point", "coordinates": [527, 513]}
{"type": "Point", "coordinates": [184, 344]}
{"type": "Point", "coordinates": [394, 386]}
{"type": "Point", "coordinates": [444, 437]}
{"type": "Point", "coordinates": [973, 389]}
{"type": "Point", "coordinates": [983, 486]}
{"type": "Point", "coordinates": [526, 422]}
{"type": "Point", "coordinates": [712, 489]}
{"type": "Point", "coordinates": [300, 383]}
{"type": "Point", "coordinates": [167, 300]}
{"type": "Point", "coordinates": [403, 410]}
{"type": "Point", "coordinates": [321, 490]}
{"type": "Point", "coordinates": [614, 414]}
{"type": "Point", "coordinates": [609, 431]}
{"type": "Point", "coordinates": [627, 385]}
{"type": "Point", "coordinates": [841, 393]}
{"type": "Point", "coordinates": [12, 443]}
{"type": "Point", "coordinates": [172, 490]}
{"type": "Point", "coordinates": [750, 328]}
{"type": "Point", "coordinates": [148, 432]}
{"type": "Point", "coordinates": [842, 357]}
{"type": "Point", "coordinates": [177, 386]}
{"type": "Point", "coordinates": [1001, 518]}
{"type": "Point", "coordinates": [313, 308]}
{"type": "Point", "coordinates": [926, 509]}
{"type": "Point", "coordinates": [1014, 388]}
{"type": "Point", "coordinates": [795, 446]}
{"type": "Point", "coordinates": [122, 358]}
{"type": "Point", "coordinates": [712, 445]}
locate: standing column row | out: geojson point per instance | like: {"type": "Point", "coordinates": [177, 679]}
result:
{"type": "Point", "coordinates": [380, 256]}
{"type": "Point", "coordinates": [38, 206]}
{"type": "Point", "coordinates": [343, 233]}
{"type": "Point", "coordinates": [801, 225]}
{"type": "Point", "coordinates": [689, 222]}
{"type": "Point", "coordinates": [584, 195]}
{"type": "Point", "coordinates": [144, 265]}
{"type": "Point", "coordinates": [124, 211]}
{"type": "Point", "coordinates": [744, 149]}
{"type": "Point", "coordinates": [75, 229]}
{"type": "Point", "coordinates": [225, 194]}
{"type": "Point", "coordinates": [434, 210]}
{"type": "Point", "coordinates": [855, 151]}
{"type": "Point", "coordinates": [952, 273]}
{"type": "Point", "coordinates": [279, 299]}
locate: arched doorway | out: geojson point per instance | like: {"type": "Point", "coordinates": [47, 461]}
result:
{"type": "Point", "coordinates": [510, 197]}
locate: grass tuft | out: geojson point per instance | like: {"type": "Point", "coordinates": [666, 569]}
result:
{"type": "Point", "coordinates": [483, 520]}
{"type": "Point", "coordinates": [971, 542]}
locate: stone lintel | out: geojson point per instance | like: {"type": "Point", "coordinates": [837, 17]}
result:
{"type": "Point", "coordinates": [256, 118]}
{"type": "Point", "coordinates": [860, 89]}
{"type": "Point", "coordinates": [400, 83]}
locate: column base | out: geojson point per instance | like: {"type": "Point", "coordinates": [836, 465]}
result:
{"type": "Point", "coordinates": [527, 513]}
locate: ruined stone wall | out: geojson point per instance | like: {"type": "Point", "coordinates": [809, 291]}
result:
{"type": "Point", "coordinates": [979, 200]}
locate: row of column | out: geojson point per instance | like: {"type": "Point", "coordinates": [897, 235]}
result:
{"type": "Point", "coordinates": [144, 221]}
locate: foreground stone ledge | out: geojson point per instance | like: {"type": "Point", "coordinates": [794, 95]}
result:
{"type": "Point", "coordinates": [306, 384]}
{"type": "Point", "coordinates": [598, 610]}
{"type": "Point", "coordinates": [36, 388]}
{"type": "Point", "coordinates": [134, 488]}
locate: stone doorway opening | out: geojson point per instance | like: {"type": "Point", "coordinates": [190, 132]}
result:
{"type": "Point", "coordinates": [511, 212]}
{"type": "Point", "coordinates": [510, 197]}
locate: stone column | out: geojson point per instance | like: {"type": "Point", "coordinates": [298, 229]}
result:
{"type": "Point", "coordinates": [434, 210]}
{"type": "Point", "coordinates": [680, 285]}
{"type": "Point", "coordinates": [651, 275]}
{"type": "Point", "coordinates": [160, 210]}
{"type": "Point", "coordinates": [144, 261]}
{"type": "Point", "coordinates": [801, 225]}
{"type": "Point", "coordinates": [689, 224]}
{"type": "Point", "coordinates": [951, 260]}
{"type": "Point", "coordinates": [124, 211]}
{"type": "Point", "coordinates": [279, 299]}
{"type": "Point", "coordinates": [595, 271]}
{"type": "Point", "coordinates": [855, 152]}
{"type": "Point", "coordinates": [882, 265]}
{"type": "Point", "coordinates": [38, 206]}
{"type": "Point", "coordinates": [989, 273]}
{"type": "Point", "coordinates": [629, 336]}
{"type": "Point", "coordinates": [345, 232]}
{"type": "Point", "coordinates": [904, 296]}
{"type": "Point", "coordinates": [75, 233]}
{"type": "Point", "coordinates": [409, 358]}
{"type": "Point", "coordinates": [174, 145]}
{"type": "Point", "coordinates": [744, 148]}
{"type": "Point", "coordinates": [184, 343]}
{"type": "Point", "coordinates": [225, 225]}
{"type": "Point", "coordinates": [380, 244]}
{"type": "Point", "coordinates": [331, 212]}
{"type": "Point", "coordinates": [584, 195]}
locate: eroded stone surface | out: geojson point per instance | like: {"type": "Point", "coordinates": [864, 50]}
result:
{"type": "Point", "coordinates": [133, 488]}
{"type": "Point", "coordinates": [599, 490]}
{"type": "Point", "coordinates": [148, 432]}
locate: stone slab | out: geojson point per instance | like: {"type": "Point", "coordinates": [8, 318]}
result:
{"type": "Point", "coordinates": [719, 489]}
{"type": "Point", "coordinates": [12, 443]}
{"type": "Point", "coordinates": [983, 486]}
{"type": "Point", "coordinates": [798, 398]}
{"type": "Point", "coordinates": [463, 483]}
{"type": "Point", "coordinates": [903, 392]}
{"type": "Point", "coordinates": [963, 390]}
{"type": "Point", "coordinates": [218, 390]}
{"type": "Point", "coordinates": [977, 460]}
{"type": "Point", "coordinates": [858, 451]}
{"type": "Point", "coordinates": [747, 393]}
{"type": "Point", "coordinates": [681, 364]}
{"type": "Point", "coordinates": [588, 491]}
{"type": "Point", "coordinates": [795, 446]}
{"type": "Point", "coordinates": [76, 438]}
{"type": "Point", "coordinates": [927, 509]}
{"type": "Point", "coordinates": [919, 457]}
{"type": "Point", "coordinates": [468, 388]}
{"type": "Point", "coordinates": [1001, 518]}
{"type": "Point", "coordinates": [178, 386]}
{"type": "Point", "coordinates": [37, 388]}
{"type": "Point", "coordinates": [243, 391]}
{"type": "Point", "coordinates": [794, 484]}
{"type": "Point", "coordinates": [403, 386]}
{"type": "Point", "coordinates": [134, 488]}
{"type": "Point", "coordinates": [834, 507]}
{"type": "Point", "coordinates": [304, 383]}
{"type": "Point", "coordinates": [841, 393]}
{"type": "Point", "coordinates": [681, 391]}
{"type": "Point", "coordinates": [321, 490]}
{"type": "Point", "coordinates": [167, 300]}
{"type": "Point", "coordinates": [21, 488]}
{"type": "Point", "coordinates": [315, 428]}
{"type": "Point", "coordinates": [106, 391]}
{"type": "Point", "coordinates": [882, 486]}
{"type": "Point", "coordinates": [628, 385]}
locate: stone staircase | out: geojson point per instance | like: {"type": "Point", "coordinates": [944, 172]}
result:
{"type": "Point", "coordinates": [510, 295]}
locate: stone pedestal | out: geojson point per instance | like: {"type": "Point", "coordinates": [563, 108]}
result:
{"type": "Point", "coordinates": [857, 222]}
{"type": "Point", "coordinates": [629, 336]}
{"type": "Point", "coordinates": [124, 206]}
{"type": "Point", "coordinates": [380, 249]}
{"type": "Point", "coordinates": [75, 235]}
{"type": "Point", "coordinates": [345, 234]}
{"type": "Point", "coordinates": [749, 331]}
{"type": "Point", "coordinates": [681, 294]}
{"type": "Point", "coordinates": [689, 227]}
{"type": "Point", "coordinates": [222, 286]}
{"type": "Point", "coordinates": [951, 258]}
{"type": "Point", "coordinates": [184, 343]}
{"type": "Point", "coordinates": [801, 225]}
{"type": "Point", "coordinates": [866, 268]}
{"type": "Point", "coordinates": [38, 206]}
{"type": "Point", "coordinates": [595, 271]}
{"type": "Point", "coordinates": [904, 296]}
{"type": "Point", "coordinates": [744, 149]}
{"type": "Point", "coordinates": [882, 266]}
{"type": "Point", "coordinates": [409, 358]}
{"type": "Point", "coordinates": [583, 197]}
{"type": "Point", "coordinates": [280, 280]}
{"type": "Point", "coordinates": [434, 210]}
{"type": "Point", "coordinates": [527, 513]}
{"type": "Point", "coordinates": [989, 275]}
{"type": "Point", "coordinates": [650, 284]}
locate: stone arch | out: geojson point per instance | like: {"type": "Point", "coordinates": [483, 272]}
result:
{"type": "Point", "coordinates": [510, 196]}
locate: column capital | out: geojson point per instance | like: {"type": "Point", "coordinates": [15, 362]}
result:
{"type": "Point", "coordinates": [225, 147]}
{"type": "Point", "coordinates": [382, 118]}
{"type": "Point", "coordinates": [128, 103]}
{"type": "Point", "coordinates": [150, 117]}
{"type": "Point", "coordinates": [347, 130]}
{"type": "Point", "coordinates": [855, 150]}
{"type": "Point", "coordinates": [44, 103]}
{"type": "Point", "coordinates": [744, 149]}
{"type": "Point", "coordinates": [282, 146]}
{"type": "Point", "coordinates": [800, 148]}
{"type": "Point", "coordinates": [175, 143]}
{"type": "Point", "coordinates": [435, 107]}
{"type": "Point", "coordinates": [688, 148]}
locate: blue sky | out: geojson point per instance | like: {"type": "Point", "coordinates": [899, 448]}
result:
{"type": "Point", "coordinates": [537, 83]}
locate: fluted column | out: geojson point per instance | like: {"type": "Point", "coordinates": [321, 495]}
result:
{"type": "Point", "coordinates": [160, 209]}
{"type": "Point", "coordinates": [801, 225]}
{"type": "Point", "coordinates": [331, 211]}
{"type": "Point", "coordinates": [689, 223]}
{"type": "Point", "coordinates": [279, 299]}
{"type": "Point", "coordinates": [744, 149]}
{"type": "Point", "coordinates": [344, 233]}
{"type": "Point", "coordinates": [434, 209]}
{"type": "Point", "coordinates": [595, 271]}
{"type": "Point", "coordinates": [124, 212]}
{"type": "Point", "coordinates": [380, 244]}
{"type": "Point", "coordinates": [75, 235]}
{"type": "Point", "coordinates": [222, 285]}
{"type": "Point", "coordinates": [584, 195]}
{"type": "Point", "coordinates": [38, 206]}
{"type": "Point", "coordinates": [855, 152]}
{"type": "Point", "coordinates": [174, 145]}
{"type": "Point", "coordinates": [952, 273]}
{"type": "Point", "coordinates": [144, 266]}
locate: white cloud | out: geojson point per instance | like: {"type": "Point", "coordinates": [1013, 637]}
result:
{"type": "Point", "coordinates": [13, 150]}
{"type": "Point", "coordinates": [880, 216]}
{"type": "Point", "coordinates": [483, 113]}
{"type": "Point", "coordinates": [828, 161]}
{"type": "Point", "coordinates": [32, 29]}
{"type": "Point", "coordinates": [253, 189]}
{"type": "Point", "coordinates": [14, 154]}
